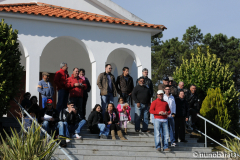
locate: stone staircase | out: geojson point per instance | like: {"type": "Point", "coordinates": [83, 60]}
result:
{"type": "Point", "coordinates": [139, 146]}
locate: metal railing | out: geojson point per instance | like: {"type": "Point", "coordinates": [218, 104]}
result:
{"type": "Point", "coordinates": [45, 132]}
{"type": "Point", "coordinates": [206, 136]}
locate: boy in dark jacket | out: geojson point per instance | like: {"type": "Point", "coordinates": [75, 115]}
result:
{"type": "Point", "coordinates": [50, 117]}
{"type": "Point", "coordinates": [182, 115]}
{"type": "Point", "coordinates": [71, 121]}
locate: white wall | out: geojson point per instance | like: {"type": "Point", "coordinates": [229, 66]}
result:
{"type": "Point", "coordinates": [99, 43]}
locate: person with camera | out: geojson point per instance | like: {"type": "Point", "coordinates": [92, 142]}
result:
{"type": "Point", "coordinates": [76, 87]}
{"type": "Point", "coordinates": [160, 109]}
{"type": "Point", "coordinates": [194, 105]}
{"type": "Point", "coordinates": [71, 122]}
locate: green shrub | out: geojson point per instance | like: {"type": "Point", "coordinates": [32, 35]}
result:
{"type": "Point", "coordinates": [27, 146]}
{"type": "Point", "coordinates": [234, 145]}
{"type": "Point", "coordinates": [10, 67]}
{"type": "Point", "coordinates": [215, 110]}
{"type": "Point", "coordinates": [206, 71]}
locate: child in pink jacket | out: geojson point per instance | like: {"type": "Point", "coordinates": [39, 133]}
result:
{"type": "Point", "coordinates": [124, 113]}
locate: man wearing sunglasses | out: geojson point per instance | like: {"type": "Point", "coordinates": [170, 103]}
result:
{"type": "Point", "coordinates": [106, 84]}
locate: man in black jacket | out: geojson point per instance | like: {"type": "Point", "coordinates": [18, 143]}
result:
{"type": "Point", "coordinates": [50, 117]}
{"type": "Point", "coordinates": [141, 96]}
{"type": "Point", "coordinates": [71, 121]}
{"type": "Point", "coordinates": [182, 115]}
{"type": "Point", "coordinates": [147, 81]}
{"type": "Point", "coordinates": [124, 85]}
{"type": "Point", "coordinates": [194, 105]}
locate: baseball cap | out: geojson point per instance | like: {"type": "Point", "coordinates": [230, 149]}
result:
{"type": "Point", "coordinates": [45, 73]}
{"type": "Point", "coordinates": [160, 92]}
{"type": "Point", "coordinates": [49, 102]}
{"type": "Point", "coordinates": [170, 78]}
{"type": "Point", "coordinates": [166, 78]}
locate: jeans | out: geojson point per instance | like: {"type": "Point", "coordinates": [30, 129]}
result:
{"type": "Point", "coordinates": [171, 126]}
{"type": "Point", "coordinates": [141, 111]}
{"type": "Point", "coordinates": [152, 116]}
{"type": "Point", "coordinates": [51, 129]}
{"type": "Point", "coordinates": [161, 128]}
{"type": "Point", "coordinates": [67, 129]}
{"type": "Point", "coordinates": [44, 101]}
{"type": "Point", "coordinates": [105, 100]}
{"type": "Point", "coordinates": [103, 129]}
{"type": "Point", "coordinates": [78, 104]}
{"type": "Point", "coordinates": [62, 99]}
{"type": "Point", "coordinates": [125, 97]}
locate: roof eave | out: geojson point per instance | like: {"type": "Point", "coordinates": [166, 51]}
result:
{"type": "Point", "coordinates": [153, 31]}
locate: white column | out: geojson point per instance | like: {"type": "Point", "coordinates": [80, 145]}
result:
{"type": "Point", "coordinates": [32, 74]}
{"type": "Point", "coordinates": [94, 84]}
{"type": "Point", "coordinates": [139, 71]}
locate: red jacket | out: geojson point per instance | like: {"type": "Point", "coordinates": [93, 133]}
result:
{"type": "Point", "coordinates": [158, 106]}
{"type": "Point", "coordinates": [75, 91]}
{"type": "Point", "coordinates": [60, 79]}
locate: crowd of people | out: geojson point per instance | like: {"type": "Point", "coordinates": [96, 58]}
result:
{"type": "Point", "coordinates": [169, 111]}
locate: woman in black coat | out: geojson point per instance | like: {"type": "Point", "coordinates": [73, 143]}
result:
{"type": "Point", "coordinates": [95, 122]}
{"type": "Point", "coordinates": [111, 119]}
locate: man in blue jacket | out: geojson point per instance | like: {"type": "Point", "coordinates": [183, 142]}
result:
{"type": "Point", "coordinates": [45, 88]}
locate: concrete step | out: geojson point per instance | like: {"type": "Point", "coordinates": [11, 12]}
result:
{"type": "Point", "coordinates": [75, 143]}
{"type": "Point", "coordinates": [118, 155]}
{"type": "Point", "coordinates": [136, 148]}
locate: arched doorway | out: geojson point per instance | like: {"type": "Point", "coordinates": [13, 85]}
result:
{"type": "Point", "coordinates": [123, 57]}
{"type": "Point", "coordinates": [69, 50]}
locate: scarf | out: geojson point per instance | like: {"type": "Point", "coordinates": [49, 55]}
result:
{"type": "Point", "coordinates": [82, 77]}
{"type": "Point", "coordinates": [110, 115]}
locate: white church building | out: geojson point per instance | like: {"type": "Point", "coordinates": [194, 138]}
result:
{"type": "Point", "coordinates": [83, 33]}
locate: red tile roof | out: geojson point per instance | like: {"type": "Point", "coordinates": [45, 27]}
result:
{"type": "Point", "coordinates": [62, 12]}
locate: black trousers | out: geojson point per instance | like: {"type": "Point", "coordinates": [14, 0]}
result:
{"type": "Point", "coordinates": [115, 127]}
{"type": "Point", "coordinates": [193, 114]}
{"type": "Point", "coordinates": [179, 128]}
{"type": "Point", "coordinates": [84, 104]}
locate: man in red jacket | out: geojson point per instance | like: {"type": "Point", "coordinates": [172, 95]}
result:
{"type": "Point", "coordinates": [60, 80]}
{"type": "Point", "coordinates": [76, 87]}
{"type": "Point", "coordinates": [160, 109]}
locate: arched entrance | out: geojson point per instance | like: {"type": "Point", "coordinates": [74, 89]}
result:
{"type": "Point", "coordinates": [123, 57]}
{"type": "Point", "coordinates": [72, 51]}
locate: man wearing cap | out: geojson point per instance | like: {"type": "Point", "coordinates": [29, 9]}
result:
{"type": "Point", "coordinates": [173, 88]}
{"type": "Point", "coordinates": [165, 83]}
{"type": "Point", "coordinates": [160, 109]}
{"type": "Point", "coordinates": [141, 96]}
{"type": "Point", "coordinates": [45, 88]}
{"type": "Point", "coordinates": [60, 80]}
{"type": "Point", "coordinates": [71, 121]}
{"type": "Point", "coordinates": [76, 86]}
{"type": "Point", "coordinates": [50, 117]}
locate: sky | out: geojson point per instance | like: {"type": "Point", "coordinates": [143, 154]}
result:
{"type": "Point", "coordinates": [211, 16]}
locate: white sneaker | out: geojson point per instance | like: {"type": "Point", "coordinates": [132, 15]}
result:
{"type": "Point", "coordinates": [67, 140]}
{"type": "Point", "coordinates": [76, 136]}
{"type": "Point", "coordinates": [173, 144]}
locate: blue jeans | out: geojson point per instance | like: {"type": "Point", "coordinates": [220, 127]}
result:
{"type": "Point", "coordinates": [44, 101]}
{"type": "Point", "coordinates": [67, 129]}
{"type": "Point", "coordinates": [161, 128]}
{"type": "Point", "coordinates": [51, 129]}
{"type": "Point", "coordinates": [142, 110]}
{"type": "Point", "coordinates": [103, 129]}
{"type": "Point", "coordinates": [78, 104]}
{"type": "Point", "coordinates": [152, 115]}
{"type": "Point", "coordinates": [62, 100]}
{"type": "Point", "coordinates": [171, 126]}
{"type": "Point", "coordinates": [105, 100]}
